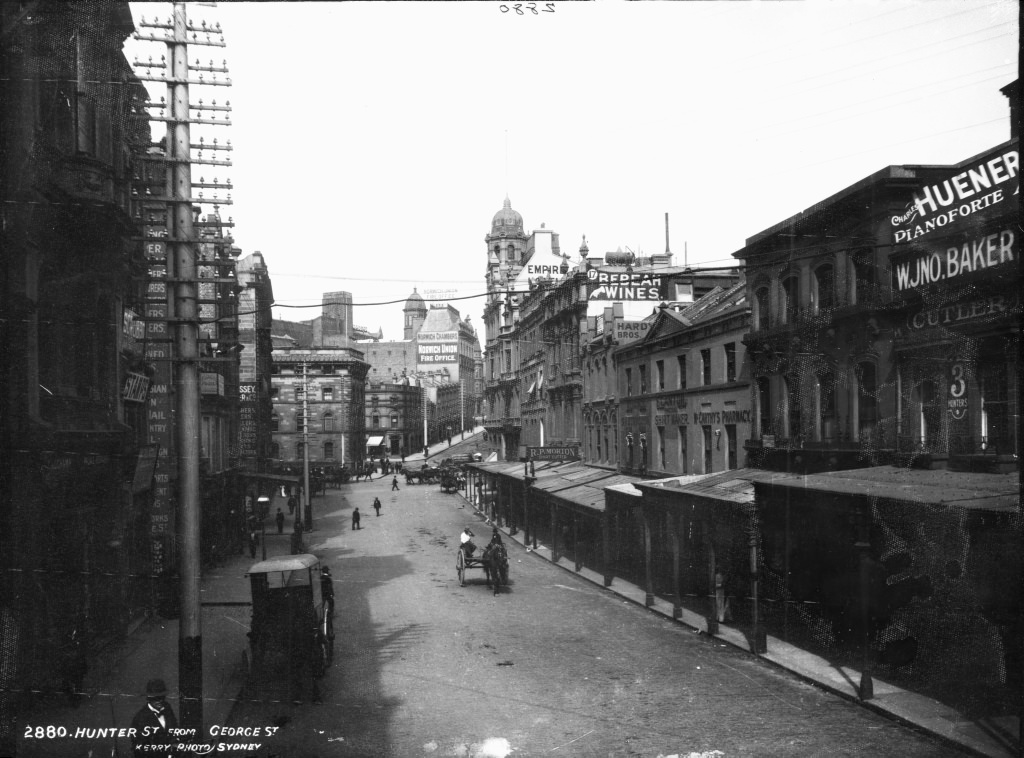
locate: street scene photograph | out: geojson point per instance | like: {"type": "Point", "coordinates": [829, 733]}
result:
{"type": "Point", "coordinates": [509, 379]}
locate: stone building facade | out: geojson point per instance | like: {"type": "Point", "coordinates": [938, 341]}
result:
{"type": "Point", "coordinates": [683, 388]}
{"type": "Point", "coordinates": [318, 397]}
{"type": "Point", "coordinates": [74, 549]}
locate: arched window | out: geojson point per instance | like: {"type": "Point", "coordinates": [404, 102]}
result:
{"type": "Point", "coordinates": [790, 299]}
{"type": "Point", "coordinates": [300, 451]}
{"type": "Point", "coordinates": [762, 316]}
{"type": "Point", "coordinates": [863, 289]}
{"type": "Point", "coordinates": [826, 429]}
{"type": "Point", "coordinates": [824, 288]}
{"type": "Point", "coordinates": [764, 406]}
{"type": "Point", "coordinates": [328, 422]}
{"type": "Point", "coordinates": [328, 450]}
{"type": "Point", "coordinates": [275, 450]}
{"type": "Point", "coordinates": [300, 422]}
{"type": "Point", "coordinates": [791, 385]}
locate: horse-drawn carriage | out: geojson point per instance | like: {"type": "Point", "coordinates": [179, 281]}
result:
{"type": "Point", "coordinates": [425, 475]}
{"type": "Point", "coordinates": [493, 560]}
{"type": "Point", "coordinates": [292, 629]}
{"type": "Point", "coordinates": [451, 479]}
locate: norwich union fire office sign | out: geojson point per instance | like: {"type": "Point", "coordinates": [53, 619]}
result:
{"type": "Point", "coordinates": [951, 228]}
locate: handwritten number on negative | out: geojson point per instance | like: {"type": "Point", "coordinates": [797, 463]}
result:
{"type": "Point", "coordinates": [518, 8]}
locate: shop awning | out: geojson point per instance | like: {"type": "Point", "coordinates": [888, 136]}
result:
{"type": "Point", "coordinates": [270, 477]}
{"type": "Point", "coordinates": [734, 486]}
{"type": "Point", "coordinates": [375, 441]}
{"type": "Point", "coordinates": [990, 492]}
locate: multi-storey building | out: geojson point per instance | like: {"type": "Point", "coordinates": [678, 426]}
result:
{"type": "Point", "coordinates": [394, 418]}
{"type": "Point", "coordinates": [74, 543]}
{"type": "Point", "coordinates": [610, 330]}
{"type": "Point", "coordinates": [255, 298]}
{"type": "Point", "coordinates": [824, 385]}
{"type": "Point", "coordinates": [683, 389]}
{"type": "Point", "coordinates": [318, 395]}
{"type": "Point", "coordinates": [956, 316]}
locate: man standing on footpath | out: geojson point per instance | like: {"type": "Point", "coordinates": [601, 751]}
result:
{"type": "Point", "coordinates": [153, 724]}
{"type": "Point", "coordinates": [355, 519]}
{"type": "Point", "coordinates": [279, 518]}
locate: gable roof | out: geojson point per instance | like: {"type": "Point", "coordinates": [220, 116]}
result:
{"type": "Point", "coordinates": [715, 303]}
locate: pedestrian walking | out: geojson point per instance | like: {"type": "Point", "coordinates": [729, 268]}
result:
{"type": "Point", "coordinates": [376, 505]}
{"type": "Point", "coordinates": [394, 484]}
{"type": "Point", "coordinates": [291, 505]}
{"type": "Point", "coordinates": [279, 518]}
{"type": "Point", "coordinates": [154, 723]}
{"type": "Point", "coordinates": [355, 519]}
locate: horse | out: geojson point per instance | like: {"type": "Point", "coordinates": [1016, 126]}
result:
{"type": "Point", "coordinates": [495, 562]}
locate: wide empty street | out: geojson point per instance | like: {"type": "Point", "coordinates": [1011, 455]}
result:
{"type": "Point", "coordinates": [553, 665]}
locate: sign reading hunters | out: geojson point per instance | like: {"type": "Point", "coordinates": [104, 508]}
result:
{"type": "Point", "coordinates": [553, 453]}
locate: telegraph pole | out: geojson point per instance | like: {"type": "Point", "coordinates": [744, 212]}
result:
{"type": "Point", "coordinates": [182, 280]}
{"type": "Point", "coordinates": [182, 233]}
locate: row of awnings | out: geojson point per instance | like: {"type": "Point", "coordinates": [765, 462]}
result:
{"type": "Point", "coordinates": [574, 482]}
{"type": "Point", "coordinates": [375, 441]}
{"type": "Point", "coordinates": [587, 486]}
{"type": "Point", "coordinates": [537, 385]}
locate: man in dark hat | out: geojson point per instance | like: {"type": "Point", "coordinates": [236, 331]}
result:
{"type": "Point", "coordinates": [153, 724]}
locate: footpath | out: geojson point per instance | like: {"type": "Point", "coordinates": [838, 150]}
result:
{"type": "Point", "coordinates": [988, 738]}
{"type": "Point", "coordinates": [116, 681]}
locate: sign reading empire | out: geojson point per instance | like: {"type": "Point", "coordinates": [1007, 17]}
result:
{"type": "Point", "coordinates": [623, 286]}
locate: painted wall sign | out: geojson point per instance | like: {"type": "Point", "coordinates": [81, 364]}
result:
{"type": "Point", "coordinates": [987, 188]}
{"type": "Point", "coordinates": [957, 400]}
{"type": "Point", "coordinates": [967, 256]}
{"type": "Point", "coordinates": [569, 453]}
{"type": "Point", "coordinates": [624, 286]}
{"type": "Point", "coordinates": [630, 331]}
{"type": "Point", "coordinates": [426, 337]}
{"type": "Point", "coordinates": [965, 312]}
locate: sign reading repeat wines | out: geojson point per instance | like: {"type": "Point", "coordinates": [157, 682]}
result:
{"type": "Point", "coordinates": [961, 225]}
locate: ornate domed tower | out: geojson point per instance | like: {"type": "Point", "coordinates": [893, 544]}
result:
{"type": "Point", "coordinates": [506, 246]}
{"type": "Point", "coordinates": [415, 311]}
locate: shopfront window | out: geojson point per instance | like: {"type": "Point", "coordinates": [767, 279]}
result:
{"type": "Point", "coordinates": [764, 406]}
{"type": "Point", "coordinates": [929, 414]}
{"type": "Point", "coordinates": [825, 386]}
{"type": "Point", "coordinates": [996, 430]}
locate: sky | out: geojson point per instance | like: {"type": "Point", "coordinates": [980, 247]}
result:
{"type": "Point", "coordinates": [374, 141]}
